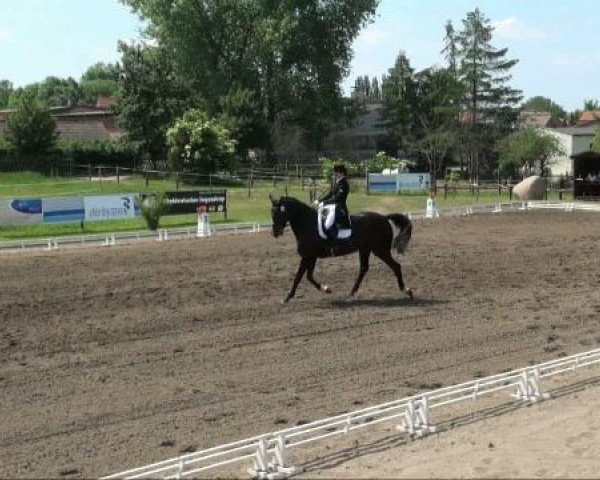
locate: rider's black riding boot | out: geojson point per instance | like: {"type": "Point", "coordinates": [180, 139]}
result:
{"type": "Point", "coordinates": [332, 241]}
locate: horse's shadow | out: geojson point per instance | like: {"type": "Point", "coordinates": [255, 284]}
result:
{"type": "Point", "coordinates": [384, 302]}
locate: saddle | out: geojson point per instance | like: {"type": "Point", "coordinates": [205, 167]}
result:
{"type": "Point", "coordinates": [344, 229]}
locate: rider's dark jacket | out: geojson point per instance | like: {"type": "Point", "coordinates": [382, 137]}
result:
{"type": "Point", "coordinates": [338, 195]}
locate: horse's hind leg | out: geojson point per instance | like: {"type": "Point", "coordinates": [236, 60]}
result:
{"type": "Point", "coordinates": [387, 258]}
{"type": "Point", "coordinates": [310, 270]}
{"type": "Point", "coordinates": [364, 268]}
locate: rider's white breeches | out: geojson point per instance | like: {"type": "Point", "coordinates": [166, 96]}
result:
{"type": "Point", "coordinates": [329, 212]}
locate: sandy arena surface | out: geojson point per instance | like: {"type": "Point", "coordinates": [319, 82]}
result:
{"type": "Point", "coordinates": [112, 358]}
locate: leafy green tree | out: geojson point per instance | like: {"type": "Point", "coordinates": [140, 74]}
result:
{"type": "Point", "coordinates": [292, 55]}
{"type": "Point", "coordinates": [6, 89]}
{"type": "Point", "coordinates": [529, 146]}
{"type": "Point", "coordinates": [596, 142]}
{"type": "Point", "coordinates": [438, 96]}
{"type": "Point", "coordinates": [199, 144]}
{"type": "Point", "coordinates": [152, 96]}
{"type": "Point", "coordinates": [242, 117]}
{"type": "Point", "coordinates": [100, 79]}
{"type": "Point", "coordinates": [545, 104]}
{"type": "Point", "coordinates": [30, 129]}
{"type": "Point", "coordinates": [20, 93]}
{"type": "Point", "coordinates": [591, 104]}
{"type": "Point", "coordinates": [58, 92]}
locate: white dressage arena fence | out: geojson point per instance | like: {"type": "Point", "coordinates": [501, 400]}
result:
{"type": "Point", "coordinates": [268, 455]}
{"type": "Point", "coordinates": [112, 239]}
{"type": "Point", "coordinates": [123, 238]}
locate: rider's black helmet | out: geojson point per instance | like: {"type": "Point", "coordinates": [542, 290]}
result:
{"type": "Point", "coordinates": [340, 169]}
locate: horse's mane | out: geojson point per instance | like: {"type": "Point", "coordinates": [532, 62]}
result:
{"type": "Point", "coordinates": [297, 204]}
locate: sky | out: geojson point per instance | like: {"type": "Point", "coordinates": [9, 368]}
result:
{"type": "Point", "coordinates": [554, 40]}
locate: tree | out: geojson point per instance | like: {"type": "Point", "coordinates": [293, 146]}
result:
{"type": "Point", "coordinates": [100, 79]}
{"type": "Point", "coordinates": [529, 146]}
{"type": "Point", "coordinates": [438, 96]}
{"type": "Point", "coordinates": [375, 90]}
{"type": "Point", "coordinates": [596, 142]}
{"type": "Point", "coordinates": [59, 92]}
{"type": "Point", "coordinates": [30, 129]}
{"type": "Point", "coordinates": [6, 89]}
{"type": "Point", "coordinates": [242, 117]}
{"type": "Point", "coordinates": [545, 104]}
{"type": "Point", "coordinates": [292, 55]}
{"type": "Point", "coordinates": [591, 104]}
{"type": "Point", "coordinates": [401, 103]}
{"type": "Point", "coordinates": [450, 49]}
{"type": "Point", "coordinates": [199, 144]}
{"type": "Point", "coordinates": [152, 96]}
{"type": "Point", "coordinates": [489, 102]}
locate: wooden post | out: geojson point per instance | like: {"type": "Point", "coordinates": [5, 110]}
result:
{"type": "Point", "coordinates": [118, 180]}
{"type": "Point", "coordinates": [90, 171]}
{"type": "Point", "coordinates": [147, 178]}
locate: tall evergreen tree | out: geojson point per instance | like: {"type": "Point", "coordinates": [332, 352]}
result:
{"type": "Point", "coordinates": [489, 102]}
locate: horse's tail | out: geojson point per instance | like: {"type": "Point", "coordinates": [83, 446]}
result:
{"type": "Point", "coordinates": [402, 231]}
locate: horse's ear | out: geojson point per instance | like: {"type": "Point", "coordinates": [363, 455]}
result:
{"type": "Point", "coordinates": [273, 201]}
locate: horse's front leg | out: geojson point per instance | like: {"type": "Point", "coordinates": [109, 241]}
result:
{"type": "Point", "coordinates": [309, 274]}
{"type": "Point", "coordinates": [299, 274]}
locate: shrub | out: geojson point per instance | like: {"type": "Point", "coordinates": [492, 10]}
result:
{"type": "Point", "coordinates": [152, 208]}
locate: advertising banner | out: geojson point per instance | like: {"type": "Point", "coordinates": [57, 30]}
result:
{"type": "Point", "coordinates": [63, 209]}
{"type": "Point", "coordinates": [382, 183]}
{"type": "Point", "coordinates": [21, 211]}
{"type": "Point", "coordinates": [413, 182]}
{"type": "Point", "coordinates": [187, 202]}
{"type": "Point", "coordinates": [109, 207]}
{"type": "Point", "coordinates": [399, 182]}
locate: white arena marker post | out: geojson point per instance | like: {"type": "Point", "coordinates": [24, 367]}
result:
{"type": "Point", "coordinates": [432, 210]}
{"type": "Point", "coordinates": [203, 222]}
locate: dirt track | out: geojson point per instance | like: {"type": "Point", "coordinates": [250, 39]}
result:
{"type": "Point", "coordinates": [114, 358]}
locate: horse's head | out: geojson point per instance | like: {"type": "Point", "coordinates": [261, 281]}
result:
{"type": "Point", "coordinates": [279, 216]}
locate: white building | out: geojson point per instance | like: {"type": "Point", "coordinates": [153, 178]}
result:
{"type": "Point", "coordinates": [573, 140]}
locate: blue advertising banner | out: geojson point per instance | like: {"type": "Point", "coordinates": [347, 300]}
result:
{"type": "Point", "coordinates": [109, 207]}
{"type": "Point", "coordinates": [21, 211]}
{"type": "Point", "coordinates": [63, 209]}
{"type": "Point", "coordinates": [399, 182]}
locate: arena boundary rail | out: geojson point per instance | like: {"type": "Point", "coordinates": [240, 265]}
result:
{"type": "Point", "coordinates": [269, 453]}
{"type": "Point", "coordinates": [111, 239]}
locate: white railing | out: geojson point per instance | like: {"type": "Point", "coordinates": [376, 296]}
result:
{"type": "Point", "coordinates": [269, 453]}
{"type": "Point", "coordinates": [108, 239]}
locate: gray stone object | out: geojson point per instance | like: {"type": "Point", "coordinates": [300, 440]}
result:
{"type": "Point", "coordinates": [532, 188]}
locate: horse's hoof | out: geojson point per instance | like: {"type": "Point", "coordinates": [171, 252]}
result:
{"type": "Point", "coordinates": [285, 300]}
{"type": "Point", "coordinates": [409, 292]}
{"type": "Point", "coordinates": [326, 289]}
{"type": "Point", "coordinates": [350, 299]}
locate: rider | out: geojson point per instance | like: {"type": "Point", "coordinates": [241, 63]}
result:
{"type": "Point", "coordinates": [337, 213]}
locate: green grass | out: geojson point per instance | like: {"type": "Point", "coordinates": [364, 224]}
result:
{"type": "Point", "coordinates": [242, 207]}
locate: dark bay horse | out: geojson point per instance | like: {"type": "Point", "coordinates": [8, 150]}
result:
{"type": "Point", "coordinates": [371, 233]}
